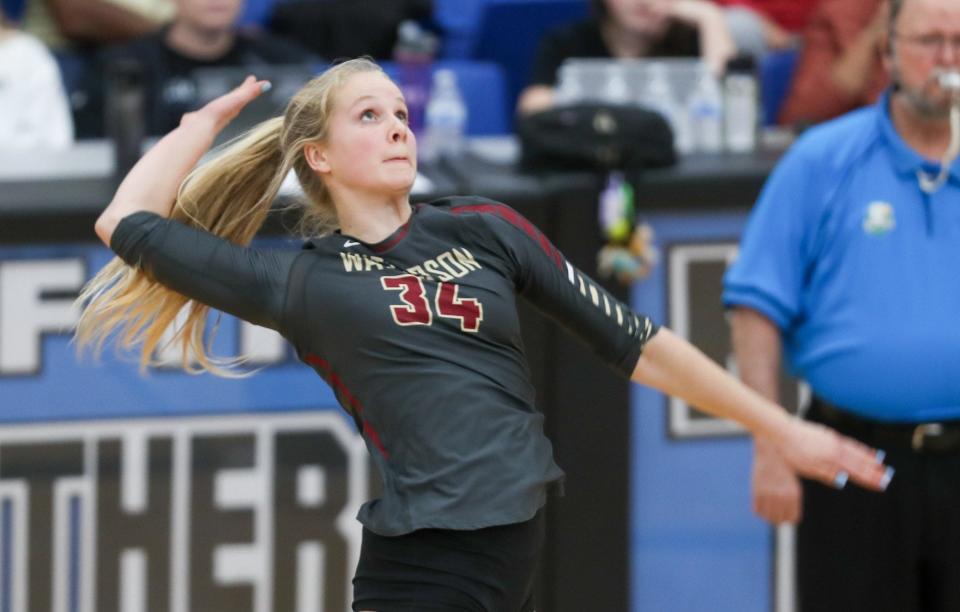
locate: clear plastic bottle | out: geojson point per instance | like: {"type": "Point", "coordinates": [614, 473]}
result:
{"type": "Point", "coordinates": [615, 90]}
{"type": "Point", "coordinates": [570, 86]}
{"type": "Point", "coordinates": [658, 96]}
{"type": "Point", "coordinates": [446, 118]}
{"type": "Point", "coordinates": [706, 112]}
{"type": "Point", "coordinates": [741, 105]}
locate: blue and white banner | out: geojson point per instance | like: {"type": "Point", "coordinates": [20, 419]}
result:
{"type": "Point", "coordinates": [169, 491]}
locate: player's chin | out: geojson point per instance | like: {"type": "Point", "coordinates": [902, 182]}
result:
{"type": "Point", "coordinates": [399, 179]}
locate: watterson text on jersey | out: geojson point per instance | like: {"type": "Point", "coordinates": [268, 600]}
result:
{"type": "Point", "coordinates": [451, 264]}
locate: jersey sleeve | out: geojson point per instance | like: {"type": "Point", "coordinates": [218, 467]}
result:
{"type": "Point", "coordinates": [246, 282]}
{"type": "Point", "coordinates": [545, 278]}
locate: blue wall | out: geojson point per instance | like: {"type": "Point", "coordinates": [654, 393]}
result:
{"type": "Point", "coordinates": [696, 546]}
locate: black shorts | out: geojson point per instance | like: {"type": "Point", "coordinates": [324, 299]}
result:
{"type": "Point", "coordinates": [444, 570]}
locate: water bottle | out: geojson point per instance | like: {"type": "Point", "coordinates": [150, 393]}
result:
{"type": "Point", "coordinates": [658, 96]}
{"type": "Point", "coordinates": [615, 90]}
{"type": "Point", "coordinates": [741, 105]}
{"type": "Point", "coordinates": [414, 54]}
{"type": "Point", "coordinates": [570, 86]}
{"type": "Point", "coordinates": [706, 113]}
{"type": "Point", "coordinates": [446, 118]}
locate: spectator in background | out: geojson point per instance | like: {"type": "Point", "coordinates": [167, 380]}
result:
{"type": "Point", "coordinates": [346, 28]}
{"type": "Point", "coordinates": [761, 26]}
{"type": "Point", "coordinates": [74, 25]}
{"type": "Point", "coordinates": [840, 66]}
{"type": "Point", "coordinates": [848, 263]}
{"type": "Point", "coordinates": [629, 29]}
{"type": "Point", "coordinates": [76, 30]}
{"type": "Point", "coordinates": [202, 35]}
{"type": "Point", "coordinates": [33, 106]}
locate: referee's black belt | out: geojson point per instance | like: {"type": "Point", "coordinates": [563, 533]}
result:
{"type": "Point", "coordinates": [941, 437]}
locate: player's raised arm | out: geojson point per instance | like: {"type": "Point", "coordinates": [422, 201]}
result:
{"type": "Point", "coordinates": [152, 184]}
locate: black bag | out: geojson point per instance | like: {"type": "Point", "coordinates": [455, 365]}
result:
{"type": "Point", "coordinates": [595, 137]}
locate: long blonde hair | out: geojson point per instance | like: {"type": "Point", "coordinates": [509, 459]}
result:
{"type": "Point", "coordinates": [229, 196]}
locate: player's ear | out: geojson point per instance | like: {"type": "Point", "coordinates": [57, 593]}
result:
{"type": "Point", "coordinates": [316, 156]}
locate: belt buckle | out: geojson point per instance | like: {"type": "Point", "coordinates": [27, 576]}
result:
{"type": "Point", "coordinates": [922, 431]}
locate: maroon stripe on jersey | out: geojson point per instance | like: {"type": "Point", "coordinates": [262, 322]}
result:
{"type": "Point", "coordinates": [392, 242]}
{"type": "Point", "coordinates": [352, 401]}
{"type": "Point", "coordinates": [519, 221]}
{"type": "Point", "coordinates": [370, 432]}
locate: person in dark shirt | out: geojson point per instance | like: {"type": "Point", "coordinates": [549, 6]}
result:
{"type": "Point", "coordinates": [409, 313]}
{"type": "Point", "coordinates": [347, 28]}
{"type": "Point", "coordinates": [201, 35]}
{"type": "Point", "coordinates": [630, 29]}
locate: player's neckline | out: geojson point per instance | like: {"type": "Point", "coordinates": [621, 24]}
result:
{"type": "Point", "coordinates": [391, 241]}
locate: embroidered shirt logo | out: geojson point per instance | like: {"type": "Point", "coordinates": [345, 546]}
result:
{"type": "Point", "coordinates": [879, 218]}
{"type": "Point", "coordinates": [350, 243]}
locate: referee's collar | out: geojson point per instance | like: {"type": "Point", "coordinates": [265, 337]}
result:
{"type": "Point", "coordinates": [905, 159]}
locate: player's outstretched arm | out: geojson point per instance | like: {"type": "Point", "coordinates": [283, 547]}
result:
{"type": "Point", "coordinates": [676, 367]}
{"type": "Point", "coordinates": [152, 184]}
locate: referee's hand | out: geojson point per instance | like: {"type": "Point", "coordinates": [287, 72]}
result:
{"type": "Point", "coordinates": [776, 490]}
{"type": "Point", "coordinates": [820, 453]}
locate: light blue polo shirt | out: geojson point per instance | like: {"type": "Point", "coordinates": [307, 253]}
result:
{"type": "Point", "coordinates": [860, 269]}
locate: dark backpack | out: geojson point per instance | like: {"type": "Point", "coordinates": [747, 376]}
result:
{"type": "Point", "coordinates": [595, 136]}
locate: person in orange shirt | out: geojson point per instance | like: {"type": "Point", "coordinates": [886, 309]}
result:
{"type": "Point", "coordinates": [840, 66]}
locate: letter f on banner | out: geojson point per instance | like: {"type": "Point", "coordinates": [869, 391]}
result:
{"type": "Point", "coordinates": [32, 303]}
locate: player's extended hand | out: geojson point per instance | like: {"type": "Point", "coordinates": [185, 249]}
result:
{"type": "Point", "coordinates": [822, 454]}
{"type": "Point", "coordinates": [777, 494]}
{"type": "Point", "coordinates": [222, 110]}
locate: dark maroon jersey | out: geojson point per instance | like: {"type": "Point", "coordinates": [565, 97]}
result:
{"type": "Point", "coordinates": [418, 335]}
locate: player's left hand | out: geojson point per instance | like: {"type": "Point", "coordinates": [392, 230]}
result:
{"type": "Point", "coordinates": [822, 454]}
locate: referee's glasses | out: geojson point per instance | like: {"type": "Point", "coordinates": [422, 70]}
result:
{"type": "Point", "coordinates": [932, 44]}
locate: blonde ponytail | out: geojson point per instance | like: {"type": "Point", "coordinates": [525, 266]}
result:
{"type": "Point", "coordinates": [229, 196]}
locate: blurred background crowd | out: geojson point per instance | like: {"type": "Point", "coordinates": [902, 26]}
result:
{"type": "Point", "coordinates": [63, 62]}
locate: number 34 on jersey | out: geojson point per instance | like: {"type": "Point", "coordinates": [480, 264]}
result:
{"type": "Point", "coordinates": [416, 309]}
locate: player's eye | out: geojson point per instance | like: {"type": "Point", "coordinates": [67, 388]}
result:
{"type": "Point", "coordinates": [368, 115]}
{"type": "Point", "coordinates": [402, 116]}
